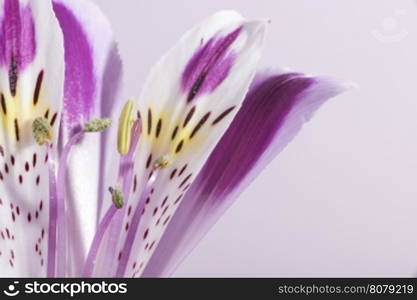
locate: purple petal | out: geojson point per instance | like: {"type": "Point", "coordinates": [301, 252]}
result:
{"type": "Point", "coordinates": [32, 86]}
{"type": "Point", "coordinates": [209, 66]}
{"type": "Point", "coordinates": [92, 81]}
{"type": "Point", "coordinates": [17, 35]}
{"type": "Point", "coordinates": [272, 114]}
{"type": "Point", "coordinates": [80, 80]}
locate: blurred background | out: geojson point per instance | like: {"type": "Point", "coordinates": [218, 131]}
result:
{"type": "Point", "coordinates": [341, 199]}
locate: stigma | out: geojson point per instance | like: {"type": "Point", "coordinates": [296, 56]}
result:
{"type": "Point", "coordinates": [97, 125]}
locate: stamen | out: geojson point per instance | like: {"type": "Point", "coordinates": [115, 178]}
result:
{"type": "Point", "coordinates": [42, 131]}
{"type": "Point", "coordinates": [97, 125]}
{"type": "Point", "coordinates": [125, 181]}
{"type": "Point", "coordinates": [116, 197]}
{"type": "Point", "coordinates": [124, 133]}
{"type": "Point", "coordinates": [132, 232]}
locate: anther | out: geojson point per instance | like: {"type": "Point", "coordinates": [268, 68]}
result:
{"type": "Point", "coordinates": [124, 133]}
{"type": "Point", "coordinates": [42, 131]}
{"type": "Point", "coordinates": [117, 197]}
{"type": "Point", "coordinates": [97, 125]}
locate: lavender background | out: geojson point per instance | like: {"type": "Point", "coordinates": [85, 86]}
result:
{"type": "Point", "coordinates": [341, 200]}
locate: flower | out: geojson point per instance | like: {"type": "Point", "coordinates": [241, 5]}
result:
{"type": "Point", "coordinates": [82, 197]}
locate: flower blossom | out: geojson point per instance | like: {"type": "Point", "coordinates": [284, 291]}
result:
{"type": "Point", "coordinates": [92, 186]}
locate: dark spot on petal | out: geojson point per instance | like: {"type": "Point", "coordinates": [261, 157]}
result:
{"type": "Point", "coordinates": [37, 88]}
{"type": "Point", "coordinates": [165, 210]}
{"type": "Point", "coordinates": [34, 158]}
{"type": "Point", "coordinates": [174, 133]}
{"type": "Point", "coordinates": [158, 128]}
{"type": "Point", "coordinates": [223, 115]}
{"type": "Point", "coordinates": [179, 146]}
{"type": "Point", "coordinates": [173, 173]}
{"type": "Point", "coordinates": [16, 129]}
{"type": "Point", "coordinates": [189, 116]}
{"type": "Point", "coordinates": [166, 220]}
{"type": "Point", "coordinates": [149, 160]}
{"type": "Point", "coordinates": [53, 119]}
{"type": "Point", "coordinates": [164, 202]}
{"type": "Point", "coordinates": [200, 124]}
{"type": "Point", "coordinates": [178, 199]}
{"type": "Point", "coordinates": [135, 183]}
{"type": "Point", "coordinates": [182, 170]}
{"type": "Point", "coordinates": [149, 121]}
{"type": "Point", "coordinates": [13, 76]}
{"type": "Point", "coordinates": [185, 181]}
{"type": "Point", "coordinates": [3, 104]}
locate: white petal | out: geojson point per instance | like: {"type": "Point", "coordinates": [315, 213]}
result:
{"type": "Point", "coordinates": [24, 208]}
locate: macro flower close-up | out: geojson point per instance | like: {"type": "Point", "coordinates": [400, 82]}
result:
{"type": "Point", "coordinates": [93, 185]}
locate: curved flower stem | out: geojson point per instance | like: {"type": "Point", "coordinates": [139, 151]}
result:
{"type": "Point", "coordinates": [131, 234]}
{"type": "Point", "coordinates": [50, 271]}
{"type": "Point", "coordinates": [98, 237]}
{"type": "Point", "coordinates": [61, 235]}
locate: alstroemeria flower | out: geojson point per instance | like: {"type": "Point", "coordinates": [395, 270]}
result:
{"type": "Point", "coordinates": [133, 200]}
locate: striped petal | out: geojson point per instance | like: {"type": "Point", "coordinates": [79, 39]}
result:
{"type": "Point", "coordinates": [189, 99]}
{"type": "Point", "coordinates": [272, 114]}
{"type": "Point", "coordinates": [31, 86]}
{"type": "Point", "coordinates": [92, 79]}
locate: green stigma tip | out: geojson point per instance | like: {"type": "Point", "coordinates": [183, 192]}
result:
{"type": "Point", "coordinates": [97, 125]}
{"type": "Point", "coordinates": [117, 197]}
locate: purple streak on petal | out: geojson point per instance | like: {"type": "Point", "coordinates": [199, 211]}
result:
{"type": "Point", "coordinates": [80, 80]}
{"type": "Point", "coordinates": [209, 65]}
{"type": "Point", "coordinates": [28, 42]}
{"type": "Point", "coordinates": [17, 35]}
{"type": "Point", "coordinates": [98, 237]}
{"type": "Point", "coordinates": [272, 114]}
